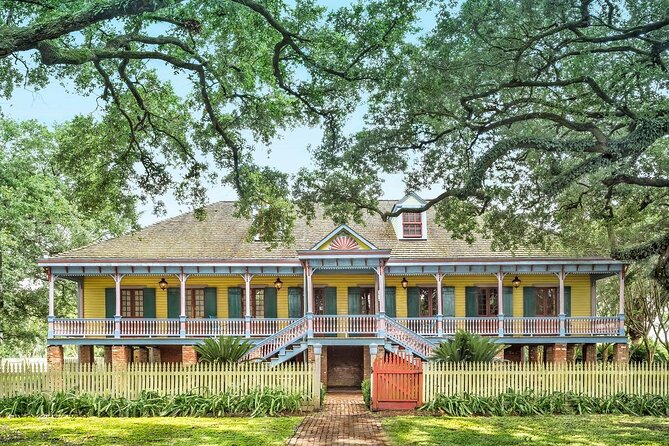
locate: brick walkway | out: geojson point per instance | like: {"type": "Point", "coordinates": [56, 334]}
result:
{"type": "Point", "coordinates": [344, 420]}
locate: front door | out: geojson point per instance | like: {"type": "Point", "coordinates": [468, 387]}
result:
{"type": "Point", "coordinates": [361, 301]}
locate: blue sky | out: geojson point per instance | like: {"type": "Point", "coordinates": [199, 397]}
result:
{"type": "Point", "coordinates": [288, 152]}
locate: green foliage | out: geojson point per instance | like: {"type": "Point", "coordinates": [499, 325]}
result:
{"type": "Point", "coordinates": [467, 347]}
{"type": "Point", "coordinates": [224, 349]}
{"type": "Point", "coordinates": [367, 392]}
{"type": "Point", "coordinates": [528, 403]}
{"type": "Point", "coordinates": [255, 403]}
{"type": "Point", "coordinates": [188, 89]}
{"type": "Point", "coordinates": [42, 213]}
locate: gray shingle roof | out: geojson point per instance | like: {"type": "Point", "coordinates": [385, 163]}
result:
{"type": "Point", "coordinates": [221, 236]}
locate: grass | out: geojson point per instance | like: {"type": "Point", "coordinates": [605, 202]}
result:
{"type": "Point", "coordinates": [146, 431]}
{"type": "Point", "coordinates": [590, 430]}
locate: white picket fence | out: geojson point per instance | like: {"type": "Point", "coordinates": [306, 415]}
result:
{"type": "Point", "coordinates": [490, 379]}
{"type": "Point", "coordinates": [130, 381]}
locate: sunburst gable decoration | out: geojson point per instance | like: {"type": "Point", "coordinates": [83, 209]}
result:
{"type": "Point", "coordinates": [344, 243]}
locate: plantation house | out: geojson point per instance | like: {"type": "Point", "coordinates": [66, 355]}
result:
{"type": "Point", "coordinates": [343, 294]}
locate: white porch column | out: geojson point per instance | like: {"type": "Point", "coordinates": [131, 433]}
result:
{"type": "Point", "coordinates": [310, 299]}
{"type": "Point", "coordinates": [247, 303]}
{"type": "Point", "coordinates": [562, 316]}
{"type": "Point", "coordinates": [80, 298]}
{"type": "Point", "coordinates": [381, 289]}
{"type": "Point", "coordinates": [182, 303]}
{"type": "Point", "coordinates": [440, 304]}
{"type": "Point", "coordinates": [117, 313]}
{"type": "Point", "coordinates": [52, 308]}
{"type": "Point", "coordinates": [593, 296]}
{"type": "Point", "coordinates": [500, 301]}
{"type": "Point", "coordinates": [621, 303]}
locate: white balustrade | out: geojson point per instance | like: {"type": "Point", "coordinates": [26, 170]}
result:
{"type": "Point", "coordinates": [145, 327]}
{"type": "Point", "coordinates": [532, 326]}
{"type": "Point", "coordinates": [268, 327]}
{"type": "Point", "coordinates": [214, 327]}
{"type": "Point", "coordinates": [82, 328]}
{"type": "Point", "coordinates": [353, 324]}
{"type": "Point", "coordinates": [592, 326]}
{"type": "Point", "coordinates": [424, 326]}
{"type": "Point", "coordinates": [365, 324]}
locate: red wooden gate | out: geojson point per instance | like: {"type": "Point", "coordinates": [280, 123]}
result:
{"type": "Point", "coordinates": [397, 383]}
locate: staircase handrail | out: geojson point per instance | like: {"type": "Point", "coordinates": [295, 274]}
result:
{"type": "Point", "coordinates": [281, 339]}
{"type": "Point", "coordinates": [411, 340]}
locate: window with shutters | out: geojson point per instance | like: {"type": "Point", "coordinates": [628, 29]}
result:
{"type": "Point", "coordinates": [195, 303]}
{"type": "Point", "coordinates": [428, 302]}
{"type": "Point", "coordinates": [132, 303]}
{"type": "Point", "coordinates": [412, 225]}
{"type": "Point", "coordinates": [547, 301]}
{"type": "Point", "coordinates": [257, 302]}
{"type": "Point", "coordinates": [487, 302]}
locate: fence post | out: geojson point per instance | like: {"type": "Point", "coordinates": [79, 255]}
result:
{"type": "Point", "coordinates": [317, 376]}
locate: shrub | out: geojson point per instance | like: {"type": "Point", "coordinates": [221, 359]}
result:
{"type": "Point", "coordinates": [225, 349]}
{"type": "Point", "coordinates": [467, 347]}
{"type": "Point", "coordinates": [529, 403]}
{"type": "Point", "coordinates": [367, 392]}
{"type": "Point", "coordinates": [149, 404]}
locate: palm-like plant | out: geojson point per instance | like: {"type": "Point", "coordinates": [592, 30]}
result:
{"type": "Point", "coordinates": [225, 349]}
{"type": "Point", "coordinates": [467, 347]}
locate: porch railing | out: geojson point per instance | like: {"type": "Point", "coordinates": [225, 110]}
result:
{"type": "Point", "coordinates": [333, 325]}
{"type": "Point", "coordinates": [345, 324]}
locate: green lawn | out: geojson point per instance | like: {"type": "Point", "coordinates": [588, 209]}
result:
{"type": "Point", "coordinates": [157, 431]}
{"type": "Point", "coordinates": [594, 430]}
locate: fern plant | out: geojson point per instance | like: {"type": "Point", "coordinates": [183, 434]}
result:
{"type": "Point", "coordinates": [467, 347]}
{"type": "Point", "coordinates": [224, 349]}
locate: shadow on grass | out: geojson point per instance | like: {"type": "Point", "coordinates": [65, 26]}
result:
{"type": "Point", "coordinates": [134, 431]}
{"type": "Point", "coordinates": [542, 431]}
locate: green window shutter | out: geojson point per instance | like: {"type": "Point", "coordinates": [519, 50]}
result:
{"type": "Point", "coordinates": [507, 294]}
{"type": "Point", "coordinates": [413, 301]}
{"type": "Point", "coordinates": [471, 301]}
{"type": "Point", "coordinates": [234, 302]}
{"type": "Point", "coordinates": [173, 303]}
{"type": "Point", "coordinates": [331, 300]}
{"type": "Point", "coordinates": [448, 301]}
{"type": "Point", "coordinates": [110, 302]}
{"type": "Point", "coordinates": [354, 300]}
{"type": "Point", "coordinates": [529, 301]}
{"type": "Point", "coordinates": [567, 301]}
{"type": "Point", "coordinates": [391, 301]}
{"type": "Point", "coordinates": [150, 302]}
{"type": "Point", "coordinates": [295, 302]}
{"type": "Point", "coordinates": [270, 302]}
{"type": "Point", "coordinates": [210, 304]}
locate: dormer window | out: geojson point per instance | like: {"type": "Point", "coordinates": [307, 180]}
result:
{"type": "Point", "coordinates": [412, 225]}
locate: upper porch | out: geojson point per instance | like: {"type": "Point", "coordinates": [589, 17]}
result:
{"type": "Point", "coordinates": [353, 296]}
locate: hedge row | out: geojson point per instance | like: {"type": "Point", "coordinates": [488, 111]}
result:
{"type": "Point", "coordinates": [150, 404]}
{"type": "Point", "coordinates": [513, 403]}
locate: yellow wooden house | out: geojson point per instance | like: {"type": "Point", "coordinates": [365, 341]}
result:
{"type": "Point", "coordinates": [403, 284]}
